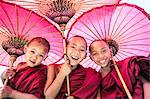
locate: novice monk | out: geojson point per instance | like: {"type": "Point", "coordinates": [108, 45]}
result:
{"type": "Point", "coordinates": [84, 82]}
{"type": "Point", "coordinates": [111, 86]}
{"type": "Point", "coordinates": [30, 77]}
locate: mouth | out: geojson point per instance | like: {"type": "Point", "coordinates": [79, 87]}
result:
{"type": "Point", "coordinates": [33, 62]}
{"type": "Point", "coordinates": [75, 58]}
{"type": "Point", "coordinates": [102, 61]}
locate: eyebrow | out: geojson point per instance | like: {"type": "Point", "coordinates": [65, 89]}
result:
{"type": "Point", "coordinates": [40, 52]}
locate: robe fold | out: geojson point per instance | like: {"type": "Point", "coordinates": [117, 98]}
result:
{"type": "Point", "coordinates": [130, 68]}
{"type": "Point", "coordinates": [30, 80]}
{"type": "Point", "coordinates": [84, 84]}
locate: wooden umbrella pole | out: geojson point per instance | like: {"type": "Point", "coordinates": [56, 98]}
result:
{"type": "Point", "coordinates": [62, 26]}
{"type": "Point", "coordinates": [122, 80]}
{"type": "Point", "coordinates": [11, 62]}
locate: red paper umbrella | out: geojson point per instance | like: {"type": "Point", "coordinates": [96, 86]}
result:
{"type": "Point", "coordinates": [18, 26]}
{"type": "Point", "coordinates": [127, 26]}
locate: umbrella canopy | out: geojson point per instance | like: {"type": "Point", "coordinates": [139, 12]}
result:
{"type": "Point", "coordinates": [62, 11]}
{"type": "Point", "coordinates": [18, 26]}
{"type": "Point", "coordinates": [124, 25]}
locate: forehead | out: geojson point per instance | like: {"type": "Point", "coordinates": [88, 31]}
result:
{"type": "Point", "coordinates": [99, 44]}
{"type": "Point", "coordinates": [37, 45]}
{"type": "Point", "coordinates": [78, 41]}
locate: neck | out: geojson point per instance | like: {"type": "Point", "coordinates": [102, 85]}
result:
{"type": "Point", "coordinates": [74, 67]}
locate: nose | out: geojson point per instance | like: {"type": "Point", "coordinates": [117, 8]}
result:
{"type": "Point", "coordinates": [100, 56]}
{"type": "Point", "coordinates": [34, 57]}
{"type": "Point", "coordinates": [76, 52]}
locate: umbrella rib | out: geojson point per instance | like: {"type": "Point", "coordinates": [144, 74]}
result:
{"type": "Point", "coordinates": [17, 20]}
{"type": "Point", "coordinates": [5, 31]}
{"type": "Point", "coordinates": [32, 26]}
{"type": "Point", "coordinates": [100, 27]}
{"type": "Point", "coordinates": [124, 37]}
{"type": "Point", "coordinates": [95, 28]}
{"type": "Point", "coordinates": [5, 25]}
{"type": "Point", "coordinates": [55, 53]}
{"type": "Point", "coordinates": [119, 54]}
{"type": "Point", "coordinates": [116, 56]}
{"type": "Point", "coordinates": [104, 24]}
{"type": "Point", "coordinates": [8, 19]}
{"type": "Point", "coordinates": [84, 32]}
{"type": "Point", "coordinates": [88, 28]}
{"type": "Point", "coordinates": [109, 34]}
{"type": "Point", "coordinates": [136, 50]}
{"type": "Point", "coordinates": [134, 39]}
{"type": "Point", "coordinates": [4, 57]}
{"type": "Point", "coordinates": [131, 26]}
{"type": "Point", "coordinates": [23, 1]}
{"type": "Point", "coordinates": [113, 29]}
{"type": "Point", "coordinates": [26, 20]}
{"type": "Point", "coordinates": [121, 22]}
{"type": "Point", "coordinates": [136, 45]}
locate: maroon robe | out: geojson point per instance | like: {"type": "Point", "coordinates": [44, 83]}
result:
{"type": "Point", "coordinates": [30, 80]}
{"type": "Point", "coordinates": [130, 68]}
{"type": "Point", "coordinates": [84, 84]}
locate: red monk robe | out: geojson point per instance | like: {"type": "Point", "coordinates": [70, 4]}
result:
{"type": "Point", "coordinates": [29, 80]}
{"type": "Point", "coordinates": [130, 69]}
{"type": "Point", "coordinates": [84, 84]}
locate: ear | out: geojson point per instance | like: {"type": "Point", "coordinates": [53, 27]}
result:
{"type": "Point", "coordinates": [25, 48]}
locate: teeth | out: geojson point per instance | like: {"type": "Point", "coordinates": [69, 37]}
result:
{"type": "Point", "coordinates": [102, 61]}
{"type": "Point", "coordinates": [74, 57]}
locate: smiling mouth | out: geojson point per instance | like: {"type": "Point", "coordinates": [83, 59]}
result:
{"type": "Point", "coordinates": [75, 58]}
{"type": "Point", "coordinates": [32, 62]}
{"type": "Point", "coordinates": [102, 61]}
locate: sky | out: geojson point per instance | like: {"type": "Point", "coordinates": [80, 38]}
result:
{"type": "Point", "coordinates": [141, 3]}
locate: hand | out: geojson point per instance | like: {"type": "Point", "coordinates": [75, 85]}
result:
{"type": "Point", "coordinates": [70, 97]}
{"type": "Point", "coordinates": [66, 68]}
{"type": "Point", "coordinates": [6, 92]}
{"type": "Point", "coordinates": [8, 73]}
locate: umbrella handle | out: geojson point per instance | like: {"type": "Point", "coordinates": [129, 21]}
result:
{"type": "Point", "coordinates": [122, 80]}
{"type": "Point", "coordinates": [11, 62]}
{"type": "Point", "coordinates": [62, 26]}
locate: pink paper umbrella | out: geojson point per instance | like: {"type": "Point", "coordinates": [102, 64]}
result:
{"type": "Point", "coordinates": [62, 11]}
{"type": "Point", "coordinates": [18, 26]}
{"type": "Point", "coordinates": [127, 27]}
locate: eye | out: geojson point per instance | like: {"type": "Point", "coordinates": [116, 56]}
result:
{"type": "Point", "coordinates": [72, 46]}
{"type": "Point", "coordinates": [82, 50]}
{"type": "Point", "coordinates": [94, 54]}
{"type": "Point", "coordinates": [41, 55]}
{"type": "Point", "coordinates": [32, 51]}
{"type": "Point", "coordinates": [104, 51]}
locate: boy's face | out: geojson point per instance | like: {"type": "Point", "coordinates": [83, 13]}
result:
{"type": "Point", "coordinates": [35, 53]}
{"type": "Point", "coordinates": [100, 53]}
{"type": "Point", "coordinates": [76, 50]}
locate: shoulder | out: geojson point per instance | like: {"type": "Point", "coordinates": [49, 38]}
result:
{"type": "Point", "coordinates": [91, 72]}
